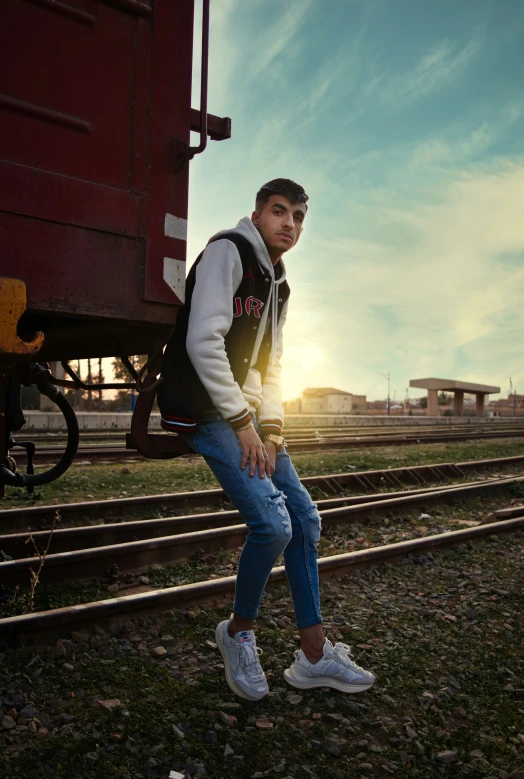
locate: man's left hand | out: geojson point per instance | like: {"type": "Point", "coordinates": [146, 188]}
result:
{"type": "Point", "coordinates": [271, 450]}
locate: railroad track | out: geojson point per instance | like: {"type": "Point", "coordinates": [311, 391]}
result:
{"type": "Point", "coordinates": [49, 455]}
{"type": "Point", "coordinates": [331, 484]}
{"type": "Point", "coordinates": [47, 626]}
{"type": "Point", "coordinates": [135, 546]}
{"type": "Point", "coordinates": [295, 433]}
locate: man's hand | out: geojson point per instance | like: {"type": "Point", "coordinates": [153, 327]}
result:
{"type": "Point", "coordinates": [271, 449]}
{"type": "Point", "coordinates": [253, 450]}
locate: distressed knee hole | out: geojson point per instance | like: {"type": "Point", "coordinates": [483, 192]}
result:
{"type": "Point", "coordinates": [314, 524]}
{"type": "Point", "coordinates": [276, 502]}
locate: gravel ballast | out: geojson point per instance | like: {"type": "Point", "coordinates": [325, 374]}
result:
{"type": "Point", "coordinates": [443, 633]}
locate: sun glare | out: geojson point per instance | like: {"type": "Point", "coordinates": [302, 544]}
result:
{"type": "Point", "coordinates": [300, 368]}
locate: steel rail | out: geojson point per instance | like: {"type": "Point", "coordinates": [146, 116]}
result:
{"type": "Point", "coordinates": [334, 484]}
{"type": "Point", "coordinates": [295, 430]}
{"type": "Point", "coordinates": [69, 539]}
{"type": "Point", "coordinates": [138, 556]}
{"type": "Point", "coordinates": [97, 443]}
{"type": "Point", "coordinates": [45, 626]}
{"type": "Point", "coordinates": [106, 454]}
{"type": "Point", "coordinates": [297, 434]}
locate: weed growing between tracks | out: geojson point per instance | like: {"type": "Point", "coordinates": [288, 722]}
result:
{"type": "Point", "coordinates": [56, 596]}
{"type": "Point", "coordinates": [101, 482]}
{"type": "Point", "coordinates": [444, 636]}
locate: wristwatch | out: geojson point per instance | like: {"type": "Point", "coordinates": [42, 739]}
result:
{"type": "Point", "coordinates": [278, 440]}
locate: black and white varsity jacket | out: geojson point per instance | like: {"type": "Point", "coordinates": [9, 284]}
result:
{"type": "Point", "coordinates": [226, 349]}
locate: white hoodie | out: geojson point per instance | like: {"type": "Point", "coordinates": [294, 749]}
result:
{"type": "Point", "coordinates": [218, 276]}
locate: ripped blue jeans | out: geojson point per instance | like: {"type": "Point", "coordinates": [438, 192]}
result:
{"type": "Point", "coordinates": [280, 515]}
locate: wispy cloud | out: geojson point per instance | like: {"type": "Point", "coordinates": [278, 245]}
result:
{"type": "Point", "coordinates": [273, 40]}
{"type": "Point", "coordinates": [437, 151]}
{"type": "Point", "coordinates": [431, 72]}
{"type": "Point", "coordinates": [384, 86]}
{"type": "Point", "coordinates": [417, 309]}
{"type": "Point", "coordinates": [409, 144]}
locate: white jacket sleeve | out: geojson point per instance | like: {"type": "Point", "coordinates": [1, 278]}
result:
{"type": "Point", "coordinates": [271, 412]}
{"type": "Point", "coordinates": [218, 276]}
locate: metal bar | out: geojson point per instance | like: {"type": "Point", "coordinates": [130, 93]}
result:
{"type": "Point", "coordinates": [134, 556]}
{"type": "Point", "coordinates": [218, 127]}
{"type": "Point", "coordinates": [24, 627]}
{"type": "Point", "coordinates": [194, 150]}
{"type": "Point", "coordinates": [122, 506]}
{"type": "Point", "coordinates": [77, 382]}
{"type": "Point", "coordinates": [45, 114]}
{"type": "Point", "coordinates": [4, 436]}
{"type": "Point", "coordinates": [66, 10]}
{"type": "Point", "coordinates": [91, 536]}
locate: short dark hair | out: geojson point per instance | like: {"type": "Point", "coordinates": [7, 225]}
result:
{"type": "Point", "coordinates": [294, 192]}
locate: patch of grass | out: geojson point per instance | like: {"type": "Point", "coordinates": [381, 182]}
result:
{"type": "Point", "coordinates": [187, 572]}
{"type": "Point", "coordinates": [56, 596]}
{"type": "Point", "coordinates": [440, 672]}
{"type": "Point", "coordinates": [102, 482]}
{"type": "Point", "coordinates": [72, 593]}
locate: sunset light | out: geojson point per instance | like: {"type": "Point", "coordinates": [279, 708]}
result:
{"type": "Point", "coordinates": [301, 368]}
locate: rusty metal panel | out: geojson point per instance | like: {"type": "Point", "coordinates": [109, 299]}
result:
{"type": "Point", "coordinates": [66, 89]}
{"type": "Point", "coordinates": [50, 196]}
{"type": "Point", "coordinates": [76, 271]}
{"type": "Point", "coordinates": [170, 118]}
{"type": "Point", "coordinates": [91, 93]}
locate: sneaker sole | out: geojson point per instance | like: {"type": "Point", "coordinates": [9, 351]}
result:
{"type": "Point", "coordinates": [227, 667]}
{"type": "Point", "coordinates": [301, 683]}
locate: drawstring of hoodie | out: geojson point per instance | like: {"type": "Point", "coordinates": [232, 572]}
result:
{"type": "Point", "coordinates": [274, 317]}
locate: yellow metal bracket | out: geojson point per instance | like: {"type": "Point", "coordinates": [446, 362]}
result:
{"type": "Point", "coordinates": [12, 306]}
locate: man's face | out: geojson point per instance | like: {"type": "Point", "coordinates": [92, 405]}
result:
{"type": "Point", "coordinates": [280, 223]}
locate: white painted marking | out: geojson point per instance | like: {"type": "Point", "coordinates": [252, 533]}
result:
{"type": "Point", "coordinates": [175, 277]}
{"type": "Point", "coordinates": [175, 227]}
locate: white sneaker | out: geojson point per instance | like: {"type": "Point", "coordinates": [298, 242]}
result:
{"type": "Point", "coordinates": [336, 669]}
{"type": "Point", "coordinates": [244, 673]}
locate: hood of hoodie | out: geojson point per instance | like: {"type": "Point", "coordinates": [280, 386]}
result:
{"type": "Point", "coordinates": [247, 230]}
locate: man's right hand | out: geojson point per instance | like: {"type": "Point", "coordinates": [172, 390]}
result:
{"type": "Point", "coordinates": [253, 450]}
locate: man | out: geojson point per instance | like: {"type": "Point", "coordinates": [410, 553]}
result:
{"type": "Point", "coordinates": [222, 393]}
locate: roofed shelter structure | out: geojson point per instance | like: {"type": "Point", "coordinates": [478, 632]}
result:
{"type": "Point", "coordinates": [458, 388]}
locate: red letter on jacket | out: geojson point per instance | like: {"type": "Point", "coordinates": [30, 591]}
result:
{"type": "Point", "coordinates": [253, 305]}
{"type": "Point", "coordinates": [237, 307]}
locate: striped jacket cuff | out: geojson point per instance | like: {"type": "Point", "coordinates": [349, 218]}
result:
{"type": "Point", "coordinates": [270, 427]}
{"type": "Point", "coordinates": [177, 424]}
{"type": "Point", "coordinates": [240, 420]}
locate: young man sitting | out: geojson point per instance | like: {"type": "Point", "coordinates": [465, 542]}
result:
{"type": "Point", "coordinates": [222, 393]}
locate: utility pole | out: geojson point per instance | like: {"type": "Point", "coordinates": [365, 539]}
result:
{"type": "Point", "coordinates": [387, 376]}
{"type": "Point", "coordinates": [514, 397]}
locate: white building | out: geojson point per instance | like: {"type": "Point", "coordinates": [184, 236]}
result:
{"type": "Point", "coordinates": [326, 400]}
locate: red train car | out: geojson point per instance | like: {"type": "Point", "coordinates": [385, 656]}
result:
{"type": "Point", "coordinates": [95, 121]}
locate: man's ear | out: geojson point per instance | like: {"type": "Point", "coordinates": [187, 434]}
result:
{"type": "Point", "coordinates": [254, 218]}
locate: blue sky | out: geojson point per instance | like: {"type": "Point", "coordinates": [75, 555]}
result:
{"type": "Point", "coordinates": [404, 121]}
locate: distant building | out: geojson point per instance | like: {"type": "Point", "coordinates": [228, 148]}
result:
{"type": "Point", "coordinates": [325, 400]}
